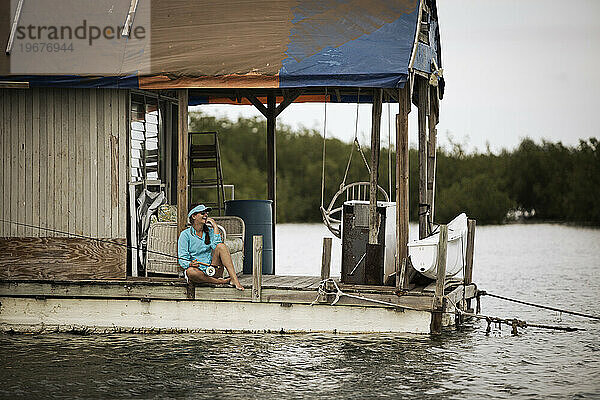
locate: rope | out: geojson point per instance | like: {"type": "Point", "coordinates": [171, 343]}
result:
{"type": "Point", "coordinates": [514, 323]}
{"type": "Point", "coordinates": [324, 141]}
{"type": "Point", "coordinates": [363, 155]}
{"type": "Point", "coordinates": [484, 293]}
{"type": "Point", "coordinates": [322, 290]}
{"type": "Point", "coordinates": [103, 241]}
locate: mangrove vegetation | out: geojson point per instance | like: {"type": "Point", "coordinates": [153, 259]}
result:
{"type": "Point", "coordinates": [538, 181]}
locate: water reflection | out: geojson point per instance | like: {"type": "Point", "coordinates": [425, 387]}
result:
{"type": "Point", "coordinates": [549, 264]}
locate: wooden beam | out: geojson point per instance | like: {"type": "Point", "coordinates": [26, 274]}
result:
{"type": "Point", "coordinates": [402, 152]}
{"type": "Point", "coordinates": [326, 259]}
{"type": "Point", "coordinates": [256, 103]}
{"type": "Point", "coordinates": [431, 149]}
{"type": "Point", "coordinates": [338, 95]}
{"type": "Point", "coordinates": [177, 290]}
{"type": "Point", "coordinates": [438, 302]}
{"type": "Point", "coordinates": [392, 94]}
{"type": "Point", "coordinates": [257, 251]}
{"type": "Point", "coordinates": [423, 205]}
{"type": "Point", "coordinates": [182, 161]}
{"type": "Point", "coordinates": [288, 99]}
{"type": "Point", "coordinates": [272, 164]}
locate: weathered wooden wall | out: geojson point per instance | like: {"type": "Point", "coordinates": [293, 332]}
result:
{"type": "Point", "coordinates": [61, 258]}
{"type": "Point", "coordinates": [63, 164]}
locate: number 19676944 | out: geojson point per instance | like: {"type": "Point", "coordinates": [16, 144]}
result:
{"type": "Point", "coordinates": [45, 47]}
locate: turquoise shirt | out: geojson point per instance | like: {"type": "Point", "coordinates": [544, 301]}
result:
{"type": "Point", "coordinates": [191, 247]}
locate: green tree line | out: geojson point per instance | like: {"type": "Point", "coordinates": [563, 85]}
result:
{"type": "Point", "coordinates": [547, 181]}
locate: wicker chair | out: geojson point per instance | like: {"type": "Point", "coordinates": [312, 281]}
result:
{"type": "Point", "coordinates": [162, 238]}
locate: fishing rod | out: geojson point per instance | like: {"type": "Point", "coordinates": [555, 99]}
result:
{"type": "Point", "coordinates": [105, 241]}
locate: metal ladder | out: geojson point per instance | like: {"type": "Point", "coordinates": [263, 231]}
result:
{"type": "Point", "coordinates": [205, 171]}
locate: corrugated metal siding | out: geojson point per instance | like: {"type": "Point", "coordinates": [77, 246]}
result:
{"type": "Point", "coordinates": [64, 161]}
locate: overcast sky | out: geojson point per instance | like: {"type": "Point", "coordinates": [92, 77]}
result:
{"type": "Point", "coordinates": [513, 68]}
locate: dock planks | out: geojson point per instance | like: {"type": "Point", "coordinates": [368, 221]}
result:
{"type": "Point", "coordinates": [275, 289]}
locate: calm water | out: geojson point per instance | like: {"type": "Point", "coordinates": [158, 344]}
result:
{"type": "Point", "coordinates": [549, 264]}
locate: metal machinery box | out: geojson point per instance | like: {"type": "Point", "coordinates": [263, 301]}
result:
{"type": "Point", "coordinates": [355, 236]}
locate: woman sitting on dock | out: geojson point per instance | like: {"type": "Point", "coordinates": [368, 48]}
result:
{"type": "Point", "coordinates": [202, 243]}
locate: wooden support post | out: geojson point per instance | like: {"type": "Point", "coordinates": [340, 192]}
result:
{"type": "Point", "coordinates": [271, 112]}
{"type": "Point", "coordinates": [375, 150]}
{"type": "Point", "coordinates": [182, 171]}
{"type": "Point", "coordinates": [423, 205]}
{"type": "Point", "coordinates": [190, 290]}
{"type": "Point", "coordinates": [182, 161]}
{"type": "Point", "coordinates": [468, 278]}
{"type": "Point", "coordinates": [441, 261]}
{"type": "Point", "coordinates": [438, 301]}
{"type": "Point", "coordinates": [326, 259]}
{"type": "Point", "coordinates": [374, 257]}
{"type": "Point", "coordinates": [272, 163]}
{"type": "Point", "coordinates": [326, 269]}
{"type": "Point", "coordinates": [470, 248]}
{"type": "Point", "coordinates": [402, 187]}
{"type": "Point", "coordinates": [257, 250]}
{"type": "Point", "coordinates": [431, 148]}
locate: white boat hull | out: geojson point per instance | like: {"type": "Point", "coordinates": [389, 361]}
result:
{"type": "Point", "coordinates": [424, 253]}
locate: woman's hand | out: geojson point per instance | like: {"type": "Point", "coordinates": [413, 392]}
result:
{"type": "Point", "coordinates": [195, 263]}
{"type": "Point", "coordinates": [213, 224]}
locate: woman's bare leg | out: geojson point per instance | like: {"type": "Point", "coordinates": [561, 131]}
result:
{"type": "Point", "coordinates": [197, 276]}
{"type": "Point", "coordinates": [221, 256]}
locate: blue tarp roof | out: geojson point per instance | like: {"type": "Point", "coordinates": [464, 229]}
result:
{"type": "Point", "coordinates": [227, 44]}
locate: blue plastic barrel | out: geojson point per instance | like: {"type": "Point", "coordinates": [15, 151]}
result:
{"type": "Point", "coordinates": [258, 220]}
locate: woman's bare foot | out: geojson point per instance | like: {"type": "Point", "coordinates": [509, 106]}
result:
{"type": "Point", "coordinates": [237, 285]}
{"type": "Point", "coordinates": [224, 280]}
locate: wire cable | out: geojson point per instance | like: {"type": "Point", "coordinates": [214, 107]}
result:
{"type": "Point", "coordinates": [484, 293]}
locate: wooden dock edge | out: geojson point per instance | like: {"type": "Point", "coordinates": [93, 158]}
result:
{"type": "Point", "coordinates": [171, 297]}
{"type": "Point", "coordinates": [88, 315]}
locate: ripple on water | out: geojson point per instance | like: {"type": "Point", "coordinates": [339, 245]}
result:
{"type": "Point", "coordinates": [549, 264]}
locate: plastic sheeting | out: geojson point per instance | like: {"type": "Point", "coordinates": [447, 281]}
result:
{"type": "Point", "coordinates": [228, 44]}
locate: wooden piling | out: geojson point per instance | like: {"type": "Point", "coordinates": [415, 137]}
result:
{"type": "Point", "coordinates": [402, 152]}
{"type": "Point", "coordinates": [257, 247]}
{"type": "Point", "coordinates": [438, 300]}
{"type": "Point", "coordinates": [471, 223]}
{"type": "Point", "coordinates": [326, 259]}
{"type": "Point", "coordinates": [326, 269]}
{"type": "Point", "coordinates": [441, 261]}
{"type": "Point", "coordinates": [182, 160]}
{"type": "Point", "coordinates": [423, 111]}
{"type": "Point", "coordinates": [468, 278]}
